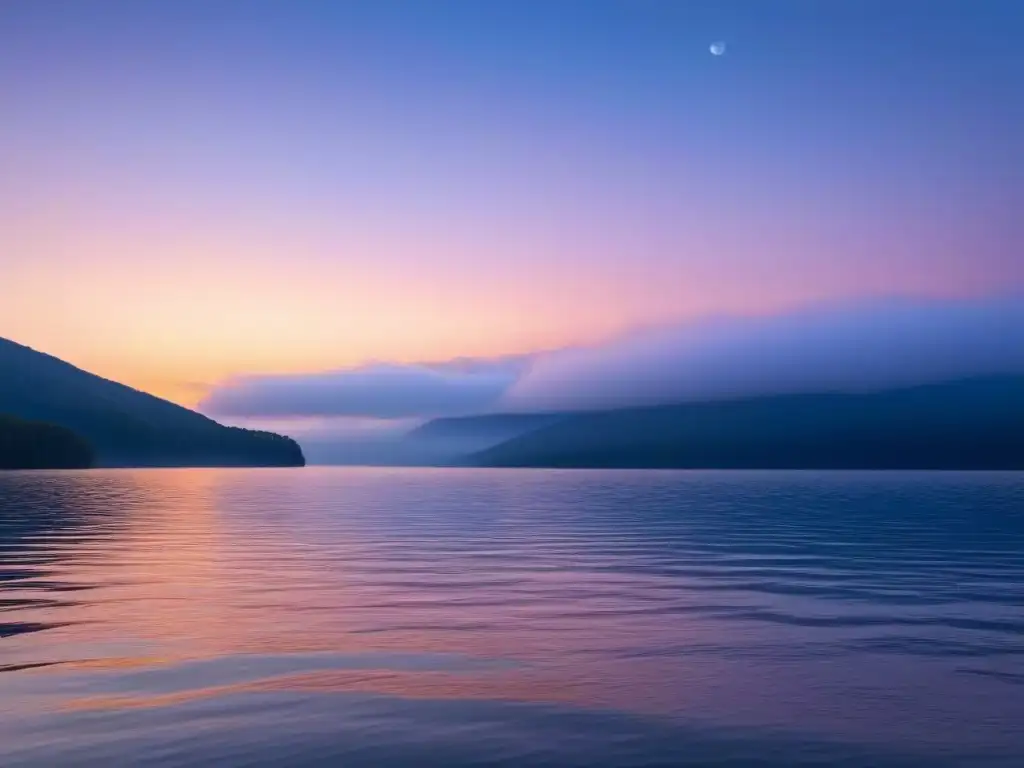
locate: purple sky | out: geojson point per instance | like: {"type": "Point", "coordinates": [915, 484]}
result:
{"type": "Point", "coordinates": [198, 191]}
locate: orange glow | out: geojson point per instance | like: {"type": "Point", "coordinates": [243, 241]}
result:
{"type": "Point", "coordinates": [175, 301]}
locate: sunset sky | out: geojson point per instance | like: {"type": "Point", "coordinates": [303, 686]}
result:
{"type": "Point", "coordinates": [197, 190]}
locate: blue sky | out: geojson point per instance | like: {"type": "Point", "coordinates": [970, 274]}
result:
{"type": "Point", "coordinates": [202, 190]}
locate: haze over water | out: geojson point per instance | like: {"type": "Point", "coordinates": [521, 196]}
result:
{"type": "Point", "coordinates": [454, 617]}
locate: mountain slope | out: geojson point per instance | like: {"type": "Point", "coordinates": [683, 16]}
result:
{"type": "Point", "coordinates": [460, 436]}
{"type": "Point", "coordinates": [972, 424]}
{"type": "Point", "coordinates": [34, 445]}
{"type": "Point", "coordinates": [127, 427]}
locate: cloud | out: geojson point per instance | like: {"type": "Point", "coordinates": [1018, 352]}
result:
{"type": "Point", "coordinates": [379, 391]}
{"type": "Point", "coordinates": [856, 346]}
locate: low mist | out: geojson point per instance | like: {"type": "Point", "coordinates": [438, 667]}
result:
{"type": "Point", "coordinates": [857, 347]}
{"type": "Point", "coordinates": [365, 415]}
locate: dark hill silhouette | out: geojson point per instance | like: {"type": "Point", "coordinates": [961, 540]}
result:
{"type": "Point", "coordinates": [124, 426]}
{"type": "Point", "coordinates": [971, 424]}
{"type": "Point", "coordinates": [35, 445]}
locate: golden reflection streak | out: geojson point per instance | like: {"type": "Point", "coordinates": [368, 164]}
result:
{"type": "Point", "coordinates": [169, 577]}
{"type": "Point", "coordinates": [418, 685]}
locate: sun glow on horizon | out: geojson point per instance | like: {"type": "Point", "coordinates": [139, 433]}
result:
{"type": "Point", "coordinates": [232, 202]}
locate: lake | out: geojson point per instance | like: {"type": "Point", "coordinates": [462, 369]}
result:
{"type": "Point", "coordinates": [392, 617]}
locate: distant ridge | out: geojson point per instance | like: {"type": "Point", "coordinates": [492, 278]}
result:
{"type": "Point", "coordinates": [126, 427]}
{"type": "Point", "coordinates": [970, 424]}
{"type": "Point", "coordinates": [474, 433]}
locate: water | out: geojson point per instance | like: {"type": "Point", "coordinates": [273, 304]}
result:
{"type": "Point", "coordinates": [511, 618]}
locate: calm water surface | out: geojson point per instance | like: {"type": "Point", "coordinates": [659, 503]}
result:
{"type": "Point", "coordinates": [514, 618]}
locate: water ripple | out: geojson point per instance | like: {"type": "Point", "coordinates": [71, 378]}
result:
{"type": "Point", "coordinates": [450, 617]}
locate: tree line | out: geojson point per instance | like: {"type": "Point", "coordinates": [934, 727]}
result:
{"type": "Point", "coordinates": [37, 445]}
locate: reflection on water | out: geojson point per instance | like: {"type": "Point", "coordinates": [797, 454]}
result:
{"type": "Point", "coordinates": [448, 617]}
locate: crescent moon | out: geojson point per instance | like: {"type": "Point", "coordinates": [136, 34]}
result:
{"type": "Point", "coordinates": [717, 49]}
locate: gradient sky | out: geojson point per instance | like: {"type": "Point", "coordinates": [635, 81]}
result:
{"type": "Point", "coordinates": [192, 190]}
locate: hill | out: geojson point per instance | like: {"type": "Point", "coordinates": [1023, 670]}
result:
{"type": "Point", "coordinates": [463, 435]}
{"type": "Point", "coordinates": [971, 424]}
{"type": "Point", "coordinates": [124, 426]}
{"type": "Point", "coordinates": [35, 445]}
{"type": "Point", "coordinates": [442, 442]}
